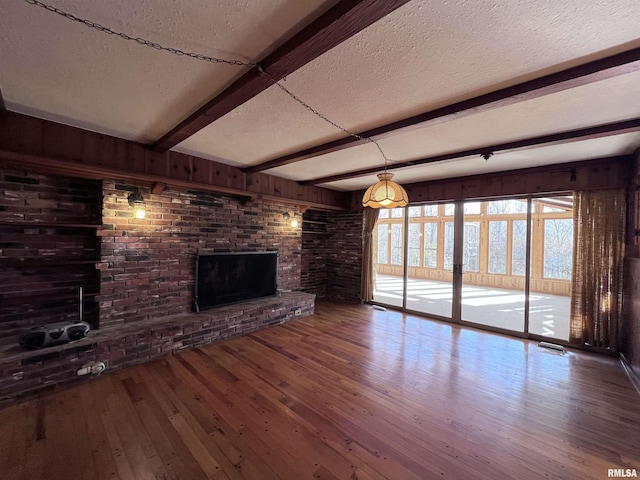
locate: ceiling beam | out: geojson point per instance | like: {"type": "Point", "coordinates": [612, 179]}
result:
{"type": "Point", "coordinates": [339, 23]}
{"type": "Point", "coordinates": [613, 66]}
{"type": "Point", "coordinates": [158, 187]}
{"type": "Point", "coordinates": [599, 131]}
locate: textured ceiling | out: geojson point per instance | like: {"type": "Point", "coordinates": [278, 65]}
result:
{"type": "Point", "coordinates": [62, 70]}
{"type": "Point", "coordinates": [423, 56]}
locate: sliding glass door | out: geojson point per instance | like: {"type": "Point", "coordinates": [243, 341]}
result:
{"type": "Point", "coordinates": [494, 264]}
{"type": "Point", "coordinates": [551, 267]}
{"type": "Point", "coordinates": [430, 259]}
{"type": "Point", "coordinates": [388, 257]}
{"type": "Point", "coordinates": [503, 264]}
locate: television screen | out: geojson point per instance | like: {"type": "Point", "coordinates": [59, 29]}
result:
{"type": "Point", "coordinates": [224, 278]}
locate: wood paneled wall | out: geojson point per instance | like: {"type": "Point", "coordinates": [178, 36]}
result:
{"type": "Point", "coordinates": [630, 329]}
{"type": "Point", "coordinates": [52, 148]}
{"type": "Point", "coordinates": [614, 172]}
{"type": "Point", "coordinates": [630, 325]}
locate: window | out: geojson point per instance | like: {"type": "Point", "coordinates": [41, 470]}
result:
{"type": "Point", "coordinates": [495, 233]}
{"type": "Point", "coordinates": [498, 247]}
{"type": "Point", "coordinates": [472, 208]}
{"type": "Point", "coordinates": [414, 245]}
{"type": "Point", "coordinates": [471, 248]}
{"type": "Point", "coordinates": [431, 245]}
{"type": "Point", "coordinates": [546, 209]}
{"type": "Point", "coordinates": [558, 248]}
{"type": "Point", "coordinates": [415, 212]}
{"type": "Point", "coordinates": [448, 246]}
{"type": "Point", "coordinates": [383, 243]}
{"type": "Point", "coordinates": [397, 212]}
{"type": "Point", "coordinates": [519, 248]}
{"type": "Point", "coordinates": [396, 243]}
{"type": "Point", "coordinates": [449, 209]}
{"type": "Point", "coordinates": [504, 207]}
{"type": "Point", "coordinates": [431, 210]}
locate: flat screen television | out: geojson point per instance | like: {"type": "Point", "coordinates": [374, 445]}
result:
{"type": "Point", "coordinates": [225, 278]}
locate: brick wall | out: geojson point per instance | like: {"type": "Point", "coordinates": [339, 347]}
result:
{"type": "Point", "coordinates": [148, 266]}
{"type": "Point", "coordinates": [47, 250]}
{"type": "Point", "coordinates": [28, 372]}
{"type": "Point", "coordinates": [144, 270]}
{"type": "Point", "coordinates": [316, 243]}
{"type": "Point", "coordinates": [345, 256]}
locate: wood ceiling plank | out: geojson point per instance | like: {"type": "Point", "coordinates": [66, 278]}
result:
{"type": "Point", "coordinates": [599, 131]}
{"type": "Point", "coordinates": [608, 67]}
{"type": "Point", "coordinates": [339, 23]}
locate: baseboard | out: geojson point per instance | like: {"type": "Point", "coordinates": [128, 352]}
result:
{"type": "Point", "coordinates": [633, 376]}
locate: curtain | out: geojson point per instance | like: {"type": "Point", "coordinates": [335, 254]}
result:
{"type": "Point", "coordinates": [598, 253]}
{"type": "Point", "coordinates": [370, 219]}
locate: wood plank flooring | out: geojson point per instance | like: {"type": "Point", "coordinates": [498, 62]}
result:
{"type": "Point", "coordinates": [349, 393]}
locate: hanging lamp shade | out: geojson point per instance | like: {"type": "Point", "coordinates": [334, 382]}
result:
{"type": "Point", "coordinates": [385, 194]}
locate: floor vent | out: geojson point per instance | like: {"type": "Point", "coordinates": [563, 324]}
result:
{"type": "Point", "coordinates": [552, 346]}
{"type": "Point", "coordinates": [378, 307]}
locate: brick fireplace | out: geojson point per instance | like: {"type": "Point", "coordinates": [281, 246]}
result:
{"type": "Point", "coordinates": [147, 266]}
{"type": "Point", "coordinates": [141, 273]}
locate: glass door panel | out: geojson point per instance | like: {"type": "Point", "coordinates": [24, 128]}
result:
{"type": "Point", "coordinates": [494, 264]}
{"type": "Point", "coordinates": [430, 259]}
{"type": "Point", "coordinates": [388, 257]}
{"type": "Point", "coordinates": [551, 268]}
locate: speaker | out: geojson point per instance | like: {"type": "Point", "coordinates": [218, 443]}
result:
{"type": "Point", "coordinates": [54, 334]}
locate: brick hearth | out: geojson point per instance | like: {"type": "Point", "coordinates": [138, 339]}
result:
{"type": "Point", "coordinates": [58, 233]}
{"type": "Point", "coordinates": [28, 371]}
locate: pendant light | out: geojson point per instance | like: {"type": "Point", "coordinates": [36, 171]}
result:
{"type": "Point", "coordinates": [386, 193]}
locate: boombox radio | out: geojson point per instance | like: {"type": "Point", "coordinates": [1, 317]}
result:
{"type": "Point", "coordinates": [54, 334]}
{"type": "Point", "coordinates": [57, 333]}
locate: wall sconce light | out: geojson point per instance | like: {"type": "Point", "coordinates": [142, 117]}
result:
{"type": "Point", "coordinates": [137, 203]}
{"type": "Point", "coordinates": [290, 215]}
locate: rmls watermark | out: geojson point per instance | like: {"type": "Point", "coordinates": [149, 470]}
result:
{"type": "Point", "coordinates": [622, 473]}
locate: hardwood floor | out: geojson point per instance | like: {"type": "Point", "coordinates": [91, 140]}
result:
{"type": "Point", "coordinates": [349, 393]}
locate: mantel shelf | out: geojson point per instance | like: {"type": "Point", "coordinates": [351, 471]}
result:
{"type": "Point", "coordinates": [39, 298]}
{"type": "Point", "coordinates": [42, 262]}
{"type": "Point", "coordinates": [316, 222]}
{"type": "Point", "coordinates": [22, 223]}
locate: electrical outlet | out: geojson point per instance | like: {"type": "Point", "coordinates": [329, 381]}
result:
{"type": "Point", "coordinates": [298, 312]}
{"type": "Point", "coordinates": [98, 367]}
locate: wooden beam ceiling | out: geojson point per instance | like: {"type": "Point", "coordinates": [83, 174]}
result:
{"type": "Point", "coordinates": [612, 66]}
{"type": "Point", "coordinates": [617, 128]}
{"type": "Point", "coordinates": [339, 23]}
